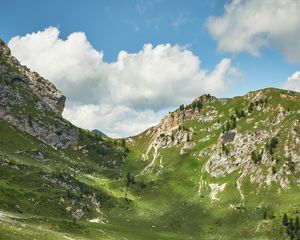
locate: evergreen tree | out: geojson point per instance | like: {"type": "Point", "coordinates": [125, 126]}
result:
{"type": "Point", "coordinates": [194, 105]}
{"type": "Point", "coordinates": [297, 234]}
{"type": "Point", "coordinates": [256, 157]}
{"type": "Point", "coordinates": [290, 227]}
{"type": "Point", "coordinates": [265, 215]}
{"type": "Point", "coordinates": [128, 179]}
{"type": "Point", "coordinates": [253, 156]}
{"type": "Point", "coordinates": [240, 114]}
{"type": "Point", "coordinates": [188, 138]}
{"type": "Point", "coordinates": [273, 143]}
{"type": "Point", "coordinates": [297, 225]}
{"type": "Point", "coordinates": [223, 129]}
{"type": "Point", "coordinates": [123, 142]}
{"type": "Point", "coordinates": [132, 180]}
{"type": "Point", "coordinates": [199, 105]}
{"type": "Point", "coordinates": [292, 236]}
{"type": "Point", "coordinates": [285, 220]}
{"type": "Point", "coordinates": [233, 122]}
{"type": "Point", "coordinates": [227, 127]}
{"type": "Point", "coordinates": [251, 107]}
{"type": "Point", "coordinates": [30, 121]}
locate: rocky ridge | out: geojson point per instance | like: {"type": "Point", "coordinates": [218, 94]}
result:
{"type": "Point", "coordinates": [259, 118]}
{"type": "Point", "coordinates": [32, 103]}
{"type": "Point", "coordinates": [169, 132]}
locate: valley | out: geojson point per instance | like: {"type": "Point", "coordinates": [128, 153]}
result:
{"type": "Point", "coordinates": [213, 169]}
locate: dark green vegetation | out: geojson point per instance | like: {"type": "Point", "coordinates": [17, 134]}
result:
{"type": "Point", "coordinates": [213, 169]}
{"type": "Point", "coordinates": [292, 227]}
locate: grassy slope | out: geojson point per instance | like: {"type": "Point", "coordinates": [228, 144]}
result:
{"type": "Point", "coordinates": [24, 191]}
{"type": "Point", "coordinates": [157, 206]}
{"type": "Point", "coordinates": [175, 191]}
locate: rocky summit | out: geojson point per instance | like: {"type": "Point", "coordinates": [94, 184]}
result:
{"type": "Point", "coordinates": [213, 169]}
{"type": "Point", "coordinates": [32, 103]}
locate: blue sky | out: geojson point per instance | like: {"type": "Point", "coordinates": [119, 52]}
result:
{"type": "Point", "coordinates": [114, 26]}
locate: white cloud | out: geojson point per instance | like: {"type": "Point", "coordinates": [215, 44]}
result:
{"type": "Point", "coordinates": [123, 97]}
{"type": "Point", "coordinates": [249, 25]}
{"type": "Point", "coordinates": [115, 121]}
{"type": "Point", "coordinates": [293, 82]}
{"type": "Point", "coordinates": [222, 78]}
{"type": "Point", "coordinates": [72, 64]}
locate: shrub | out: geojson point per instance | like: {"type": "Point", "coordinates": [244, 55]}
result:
{"type": "Point", "coordinates": [273, 143]}
{"type": "Point", "coordinates": [256, 157]}
{"type": "Point", "coordinates": [251, 107]}
{"type": "Point", "coordinates": [240, 114]}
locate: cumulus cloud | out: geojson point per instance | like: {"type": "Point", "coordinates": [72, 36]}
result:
{"type": "Point", "coordinates": [126, 96]}
{"type": "Point", "coordinates": [115, 121]}
{"type": "Point", "coordinates": [249, 25]}
{"type": "Point", "coordinates": [72, 64]}
{"type": "Point", "coordinates": [293, 82]}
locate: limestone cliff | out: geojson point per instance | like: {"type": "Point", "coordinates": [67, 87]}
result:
{"type": "Point", "coordinates": [32, 103]}
{"type": "Point", "coordinates": [255, 136]}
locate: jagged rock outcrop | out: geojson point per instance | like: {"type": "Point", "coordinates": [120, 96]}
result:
{"type": "Point", "coordinates": [13, 72]}
{"type": "Point", "coordinates": [233, 137]}
{"type": "Point", "coordinates": [170, 131]}
{"type": "Point", "coordinates": [32, 103]}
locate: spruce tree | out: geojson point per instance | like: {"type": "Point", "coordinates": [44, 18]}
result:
{"type": "Point", "coordinates": [265, 215]}
{"type": "Point", "coordinates": [123, 142]}
{"type": "Point", "coordinates": [251, 107]}
{"type": "Point", "coordinates": [297, 228]}
{"type": "Point", "coordinates": [199, 105]}
{"type": "Point", "coordinates": [297, 224]}
{"type": "Point", "coordinates": [132, 180]}
{"type": "Point", "coordinates": [128, 178]}
{"type": "Point", "coordinates": [290, 228]}
{"type": "Point", "coordinates": [285, 220]}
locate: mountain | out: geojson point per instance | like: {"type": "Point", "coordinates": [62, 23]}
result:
{"type": "Point", "coordinates": [48, 166]}
{"type": "Point", "coordinates": [214, 169]}
{"type": "Point", "coordinates": [98, 132]}
{"type": "Point", "coordinates": [229, 167]}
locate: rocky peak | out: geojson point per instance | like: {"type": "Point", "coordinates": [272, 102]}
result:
{"type": "Point", "coordinates": [32, 103]}
{"type": "Point", "coordinates": [12, 71]}
{"type": "Point", "coordinates": [255, 135]}
{"type": "Point", "coordinates": [205, 98]}
{"type": "Point", "coordinates": [4, 48]}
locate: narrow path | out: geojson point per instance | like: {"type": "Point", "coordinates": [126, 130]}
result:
{"type": "Point", "coordinates": [148, 168]}
{"type": "Point", "coordinates": [238, 186]}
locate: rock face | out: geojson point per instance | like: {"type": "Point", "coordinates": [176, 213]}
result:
{"type": "Point", "coordinates": [32, 103]}
{"type": "Point", "coordinates": [170, 131]}
{"type": "Point", "coordinates": [254, 138]}
{"type": "Point", "coordinates": [22, 75]}
{"type": "Point", "coordinates": [227, 137]}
